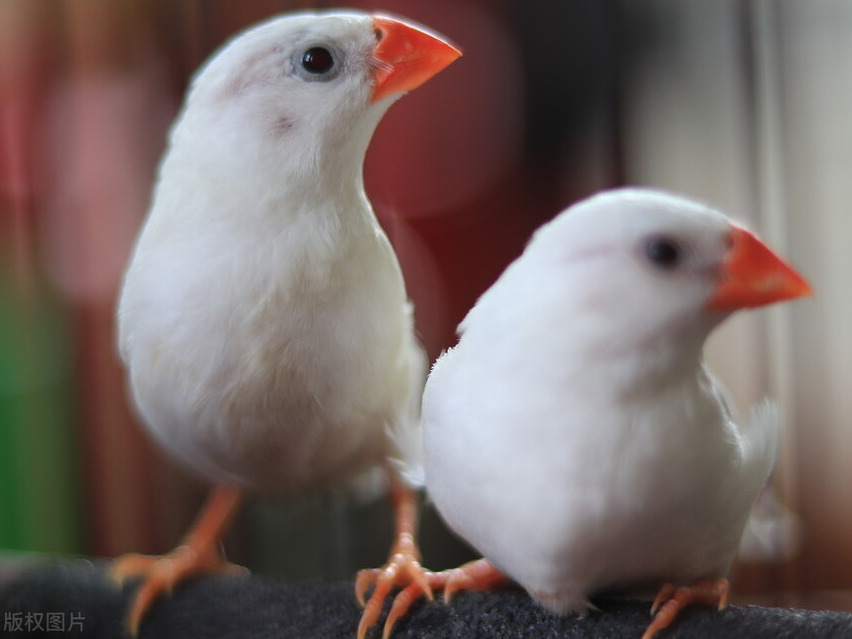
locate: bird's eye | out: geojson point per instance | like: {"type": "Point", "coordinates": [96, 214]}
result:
{"type": "Point", "coordinates": [318, 61]}
{"type": "Point", "coordinates": [663, 252]}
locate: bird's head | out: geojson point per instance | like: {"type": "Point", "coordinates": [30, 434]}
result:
{"type": "Point", "coordinates": [309, 88]}
{"type": "Point", "coordinates": [655, 268]}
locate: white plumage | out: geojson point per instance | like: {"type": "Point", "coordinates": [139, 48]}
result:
{"type": "Point", "coordinates": [573, 436]}
{"type": "Point", "coordinates": [264, 319]}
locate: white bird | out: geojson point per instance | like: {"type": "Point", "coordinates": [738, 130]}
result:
{"type": "Point", "coordinates": [575, 438]}
{"type": "Point", "coordinates": [263, 318]}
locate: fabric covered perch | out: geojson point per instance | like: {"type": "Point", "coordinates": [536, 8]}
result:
{"type": "Point", "coordinates": [259, 608]}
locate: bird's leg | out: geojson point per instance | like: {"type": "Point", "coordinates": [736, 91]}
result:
{"type": "Point", "coordinates": [480, 575]}
{"type": "Point", "coordinates": [200, 553]}
{"type": "Point", "coordinates": [403, 567]}
{"type": "Point", "coordinates": [672, 599]}
{"type": "Point", "coordinates": [405, 571]}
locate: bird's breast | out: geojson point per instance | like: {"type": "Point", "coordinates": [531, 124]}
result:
{"type": "Point", "coordinates": [573, 489]}
{"type": "Point", "coordinates": [270, 367]}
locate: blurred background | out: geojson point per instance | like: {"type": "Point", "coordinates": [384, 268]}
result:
{"type": "Point", "coordinates": [743, 104]}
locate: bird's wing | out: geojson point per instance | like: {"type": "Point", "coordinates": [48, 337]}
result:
{"type": "Point", "coordinates": [760, 434]}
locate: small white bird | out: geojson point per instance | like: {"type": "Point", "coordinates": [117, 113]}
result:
{"type": "Point", "coordinates": [263, 319]}
{"type": "Point", "coordinates": [574, 437]}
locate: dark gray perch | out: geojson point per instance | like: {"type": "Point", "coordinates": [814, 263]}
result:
{"type": "Point", "coordinates": [260, 608]}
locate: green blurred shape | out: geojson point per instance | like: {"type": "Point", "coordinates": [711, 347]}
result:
{"type": "Point", "coordinates": [39, 472]}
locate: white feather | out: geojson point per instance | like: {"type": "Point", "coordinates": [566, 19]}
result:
{"type": "Point", "coordinates": [573, 436]}
{"type": "Point", "coordinates": [263, 319]}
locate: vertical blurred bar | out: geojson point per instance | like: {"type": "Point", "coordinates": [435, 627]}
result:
{"type": "Point", "coordinates": [816, 90]}
{"type": "Point", "coordinates": [115, 486]}
{"type": "Point", "coordinates": [38, 462]}
{"type": "Point", "coordinates": [104, 131]}
{"type": "Point", "coordinates": [773, 213]}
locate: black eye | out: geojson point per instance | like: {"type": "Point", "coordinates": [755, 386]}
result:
{"type": "Point", "coordinates": [663, 252]}
{"type": "Point", "coordinates": [317, 60]}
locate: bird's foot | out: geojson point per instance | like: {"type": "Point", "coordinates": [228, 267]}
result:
{"type": "Point", "coordinates": [200, 554]}
{"type": "Point", "coordinates": [402, 570]}
{"type": "Point", "coordinates": [160, 574]}
{"type": "Point", "coordinates": [476, 575]}
{"type": "Point", "coordinates": [670, 600]}
{"type": "Point", "coordinates": [479, 575]}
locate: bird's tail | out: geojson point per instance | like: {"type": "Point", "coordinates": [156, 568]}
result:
{"type": "Point", "coordinates": [772, 531]}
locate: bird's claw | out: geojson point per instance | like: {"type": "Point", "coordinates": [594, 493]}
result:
{"type": "Point", "coordinates": [161, 574]}
{"type": "Point", "coordinates": [474, 575]}
{"type": "Point", "coordinates": [131, 566]}
{"type": "Point", "coordinates": [665, 593]}
{"type": "Point", "coordinates": [479, 575]}
{"type": "Point", "coordinates": [402, 570]}
{"type": "Point", "coordinates": [670, 600]}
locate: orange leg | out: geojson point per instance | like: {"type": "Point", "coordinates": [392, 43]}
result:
{"type": "Point", "coordinates": [479, 575]}
{"type": "Point", "coordinates": [403, 567]}
{"type": "Point", "coordinates": [199, 553]}
{"type": "Point", "coordinates": [403, 570]}
{"type": "Point", "coordinates": [671, 600]}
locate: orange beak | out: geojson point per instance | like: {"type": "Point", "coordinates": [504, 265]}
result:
{"type": "Point", "coordinates": [752, 275]}
{"type": "Point", "coordinates": [407, 56]}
